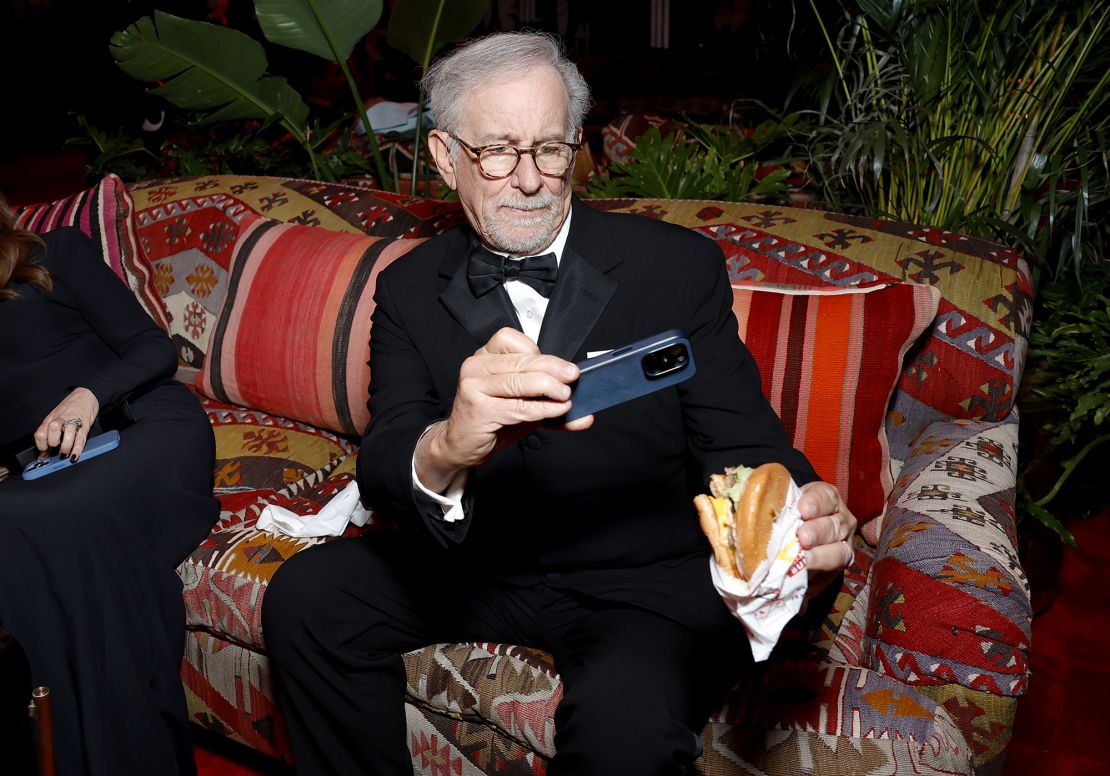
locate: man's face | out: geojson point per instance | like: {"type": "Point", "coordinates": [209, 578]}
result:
{"type": "Point", "coordinates": [520, 214]}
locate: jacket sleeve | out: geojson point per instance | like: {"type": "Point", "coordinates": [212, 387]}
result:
{"type": "Point", "coordinates": [403, 403]}
{"type": "Point", "coordinates": [146, 356]}
{"type": "Point", "coordinates": [728, 420]}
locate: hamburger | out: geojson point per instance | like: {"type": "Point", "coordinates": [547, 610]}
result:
{"type": "Point", "coordinates": [738, 517]}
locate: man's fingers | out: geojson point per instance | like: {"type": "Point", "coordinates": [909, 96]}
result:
{"type": "Point", "coordinates": [827, 529]}
{"type": "Point", "coordinates": [520, 363]}
{"type": "Point", "coordinates": [818, 498]}
{"type": "Point", "coordinates": [514, 385]}
{"type": "Point", "coordinates": [508, 340]}
{"type": "Point", "coordinates": [510, 350]}
{"type": "Point", "coordinates": [830, 557]}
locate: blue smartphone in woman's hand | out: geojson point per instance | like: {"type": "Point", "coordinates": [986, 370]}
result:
{"type": "Point", "coordinates": [94, 446]}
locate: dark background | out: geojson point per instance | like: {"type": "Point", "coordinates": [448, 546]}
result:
{"type": "Point", "coordinates": [56, 62]}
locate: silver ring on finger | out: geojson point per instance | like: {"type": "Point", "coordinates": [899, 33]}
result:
{"type": "Point", "coordinates": [77, 423]}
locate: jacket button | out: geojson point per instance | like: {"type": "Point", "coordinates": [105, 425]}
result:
{"type": "Point", "coordinates": [532, 442]}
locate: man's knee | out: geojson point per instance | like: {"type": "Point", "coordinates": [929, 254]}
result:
{"type": "Point", "coordinates": [291, 598]}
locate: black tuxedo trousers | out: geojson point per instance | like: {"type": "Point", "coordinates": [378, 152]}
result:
{"type": "Point", "coordinates": [583, 544]}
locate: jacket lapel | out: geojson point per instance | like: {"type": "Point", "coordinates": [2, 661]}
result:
{"type": "Point", "coordinates": [583, 289]}
{"type": "Point", "coordinates": [580, 296]}
{"type": "Point", "coordinates": [481, 317]}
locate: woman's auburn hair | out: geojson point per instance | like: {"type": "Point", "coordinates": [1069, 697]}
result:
{"type": "Point", "coordinates": [15, 253]}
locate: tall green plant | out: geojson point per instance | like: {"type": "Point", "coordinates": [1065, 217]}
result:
{"type": "Point", "coordinates": [216, 71]}
{"type": "Point", "coordinates": [420, 28]}
{"type": "Point", "coordinates": [975, 117]}
{"type": "Point", "coordinates": [224, 72]}
{"type": "Point", "coordinates": [329, 29]}
{"type": "Point", "coordinates": [1072, 346]}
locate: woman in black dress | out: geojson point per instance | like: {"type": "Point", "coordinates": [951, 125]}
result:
{"type": "Point", "coordinates": [87, 554]}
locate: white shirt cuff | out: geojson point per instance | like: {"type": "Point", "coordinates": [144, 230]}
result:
{"type": "Point", "coordinates": [450, 501]}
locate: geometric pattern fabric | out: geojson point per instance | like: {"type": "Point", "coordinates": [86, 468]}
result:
{"type": "Point", "coordinates": [914, 666]}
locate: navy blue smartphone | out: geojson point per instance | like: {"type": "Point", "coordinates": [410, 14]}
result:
{"type": "Point", "coordinates": [630, 372]}
{"type": "Point", "coordinates": [94, 446]}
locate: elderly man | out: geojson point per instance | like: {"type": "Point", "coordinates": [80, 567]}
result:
{"type": "Point", "coordinates": [579, 539]}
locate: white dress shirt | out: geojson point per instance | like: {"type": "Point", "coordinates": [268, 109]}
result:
{"type": "Point", "coordinates": [530, 306]}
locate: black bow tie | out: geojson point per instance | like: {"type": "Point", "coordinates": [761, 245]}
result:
{"type": "Point", "coordinates": [486, 270]}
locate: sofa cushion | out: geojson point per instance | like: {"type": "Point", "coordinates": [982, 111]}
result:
{"type": "Point", "coordinates": [105, 213]}
{"type": "Point", "coordinates": [950, 601]}
{"type": "Point", "coordinates": [968, 364]}
{"type": "Point", "coordinates": [188, 226]}
{"type": "Point", "coordinates": [256, 451]}
{"type": "Point", "coordinates": [829, 360]}
{"type": "Point", "coordinates": [510, 688]}
{"type": "Point", "coordinates": [807, 716]}
{"type": "Point", "coordinates": [188, 243]}
{"type": "Point", "coordinates": [789, 717]}
{"type": "Point", "coordinates": [340, 207]}
{"type": "Point", "coordinates": [293, 335]}
{"type": "Point", "coordinates": [260, 459]}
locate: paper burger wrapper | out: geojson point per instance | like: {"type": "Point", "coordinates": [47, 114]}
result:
{"type": "Point", "coordinates": [775, 592]}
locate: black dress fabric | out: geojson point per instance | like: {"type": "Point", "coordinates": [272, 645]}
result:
{"type": "Point", "coordinates": [87, 555]}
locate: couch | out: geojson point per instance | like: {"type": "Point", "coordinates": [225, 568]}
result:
{"type": "Point", "coordinates": [892, 351]}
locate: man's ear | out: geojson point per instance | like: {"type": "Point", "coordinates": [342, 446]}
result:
{"type": "Point", "coordinates": [441, 154]}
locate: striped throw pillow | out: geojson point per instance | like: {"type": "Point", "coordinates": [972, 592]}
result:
{"type": "Point", "coordinates": [105, 213]}
{"type": "Point", "coordinates": [829, 359]}
{"type": "Point", "coordinates": [293, 335]}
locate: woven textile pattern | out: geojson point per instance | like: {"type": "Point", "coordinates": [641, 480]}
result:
{"type": "Point", "coordinates": [915, 665]}
{"type": "Point", "coordinates": [105, 213]}
{"type": "Point", "coordinates": [260, 459]}
{"type": "Point", "coordinates": [188, 226]}
{"type": "Point", "coordinates": [966, 366]}
{"type": "Point", "coordinates": [829, 360]}
{"type": "Point", "coordinates": [293, 337]}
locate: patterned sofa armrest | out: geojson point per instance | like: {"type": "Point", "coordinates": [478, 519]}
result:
{"type": "Point", "coordinates": [949, 611]}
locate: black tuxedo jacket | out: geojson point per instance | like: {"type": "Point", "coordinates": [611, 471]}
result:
{"type": "Point", "coordinates": [605, 512]}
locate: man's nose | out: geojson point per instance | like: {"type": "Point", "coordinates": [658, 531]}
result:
{"type": "Point", "coordinates": [527, 176]}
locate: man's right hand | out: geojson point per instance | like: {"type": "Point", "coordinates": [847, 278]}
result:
{"type": "Point", "coordinates": [505, 390]}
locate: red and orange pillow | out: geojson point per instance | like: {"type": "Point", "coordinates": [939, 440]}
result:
{"type": "Point", "coordinates": [829, 359]}
{"type": "Point", "coordinates": [293, 335]}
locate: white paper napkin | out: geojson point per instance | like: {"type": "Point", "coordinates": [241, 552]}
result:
{"type": "Point", "coordinates": [777, 588]}
{"type": "Point", "coordinates": [343, 508]}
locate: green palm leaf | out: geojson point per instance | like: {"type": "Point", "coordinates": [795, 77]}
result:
{"type": "Point", "coordinates": [203, 67]}
{"type": "Point", "coordinates": [327, 28]}
{"type": "Point", "coordinates": [421, 27]}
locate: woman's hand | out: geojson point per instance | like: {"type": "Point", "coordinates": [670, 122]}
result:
{"type": "Point", "coordinates": [66, 427]}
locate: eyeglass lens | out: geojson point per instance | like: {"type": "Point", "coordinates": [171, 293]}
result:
{"type": "Point", "coordinates": [551, 159]}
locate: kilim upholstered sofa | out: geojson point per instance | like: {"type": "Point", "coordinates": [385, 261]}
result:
{"type": "Point", "coordinates": [913, 666]}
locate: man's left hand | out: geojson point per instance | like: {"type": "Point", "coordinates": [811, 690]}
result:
{"type": "Point", "coordinates": [826, 534]}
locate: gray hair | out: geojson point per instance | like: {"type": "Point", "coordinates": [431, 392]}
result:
{"type": "Point", "coordinates": [494, 58]}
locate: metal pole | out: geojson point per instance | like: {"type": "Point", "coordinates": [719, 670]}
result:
{"type": "Point", "coordinates": [44, 730]}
